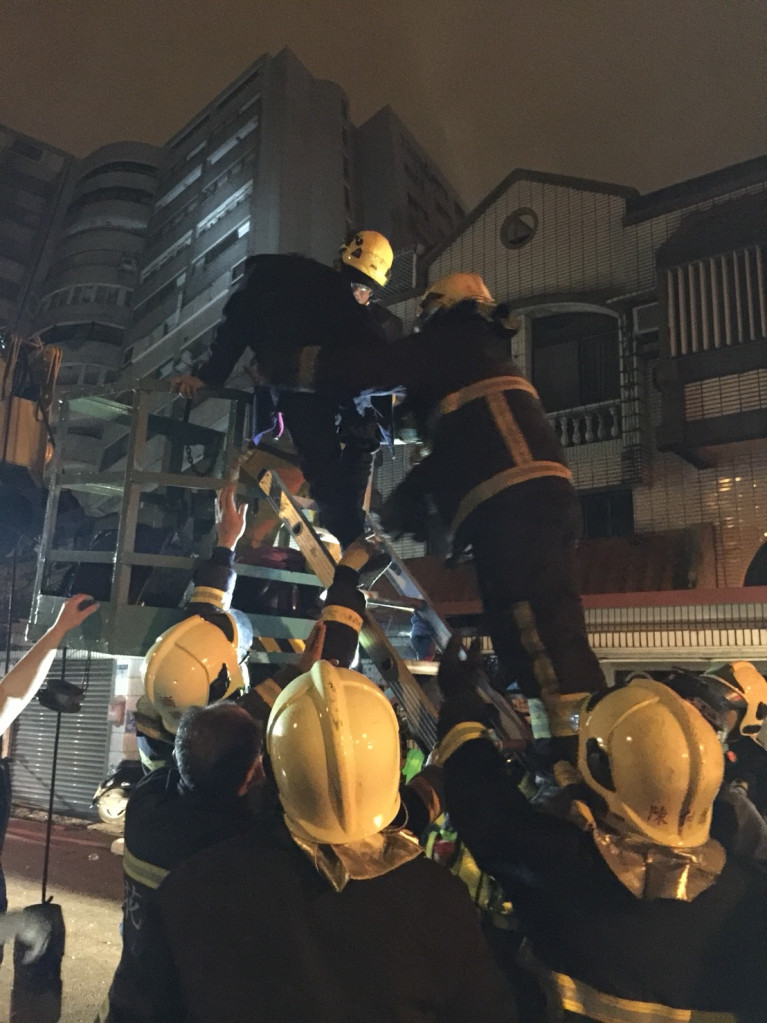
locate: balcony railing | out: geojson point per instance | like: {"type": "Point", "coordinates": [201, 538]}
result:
{"type": "Point", "coordinates": [587, 424]}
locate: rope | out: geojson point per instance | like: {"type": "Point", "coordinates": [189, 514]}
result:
{"type": "Point", "coordinates": [49, 824]}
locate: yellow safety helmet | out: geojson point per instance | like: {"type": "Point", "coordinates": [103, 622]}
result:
{"type": "Point", "coordinates": [654, 760]}
{"type": "Point", "coordinates": [333, 741]}
{"type": "Point", "coordinates": [371, 253]}
{"type": "Point", "coordinates": [746, 690]}
{"type": "Point", "coordinates": [192, 664]}
{"type": "Point", "coordinates": [454, 288]}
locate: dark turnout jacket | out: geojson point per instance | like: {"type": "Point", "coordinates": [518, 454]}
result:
{"type": "Point", "coordinates": [482, 419]}
{"type": "Point", "coordinates": [164, 825]}
{"type": "Point", "coordinates": [708, 955]}
{"type": "Point", "coordinates": [248, 930]}
{"type": "Point", "coordinates": [287, 302]}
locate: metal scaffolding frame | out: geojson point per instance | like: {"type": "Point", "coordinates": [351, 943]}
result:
{"type": "Point", "coordinates": [120, 627]}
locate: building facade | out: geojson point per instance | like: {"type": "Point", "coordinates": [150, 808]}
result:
{"type": "Point", "coordinates": [33, 182]}
{"type": "Point", "coordinates": [643, 327]}
{"type": "Point", "coordinates": [86, 298]}
{"type": "Point", "coordinates": [272, 164]}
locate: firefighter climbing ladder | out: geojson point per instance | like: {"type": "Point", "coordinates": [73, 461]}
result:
{"type": "Point", "coordinates": [421, 712]}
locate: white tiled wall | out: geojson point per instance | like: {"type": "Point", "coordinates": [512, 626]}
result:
{"type": "Point", "coordinates": [128, 684]}
{"type": "Point", "coordinates": [582, 246]}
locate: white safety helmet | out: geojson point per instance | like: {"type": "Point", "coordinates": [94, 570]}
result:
{"type": "Point", "coordinates": [111, 805]}
{"type": "Point", "coordinates": [192, 664]}
{"type": "Point", "coordinates": [654, 760]}
{"type": "Point", "coordinates": [333, 741]}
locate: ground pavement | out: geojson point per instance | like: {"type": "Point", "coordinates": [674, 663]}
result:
{"type": "Point", "coordinates": [85, 878]}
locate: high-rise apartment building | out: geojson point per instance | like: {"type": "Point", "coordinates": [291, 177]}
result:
{"type": "Point", "coordinates": [33, 178]}
{"type": "Point", "coordinates": [272, 164]}
{"type": "Point", "coordinates": [125, 258]}
{"type": "Point", "coordinates": [402, 191]}
{"type": "Point", "coordinates": [86, 298]}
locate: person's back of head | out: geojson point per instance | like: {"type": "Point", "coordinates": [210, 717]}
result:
{"type": "Point", "coordinates": [732, 697]}
{"type": "Point", "coordinates": [464, 296]}
{"type": "Point", "coordinates": [194, 663]}
{"type": "Point", "coordinates": [218, 749]}
{"type": "Point", "coordinates": [333, 744]}
{"type": "Point", "coordinates": [654, 760]}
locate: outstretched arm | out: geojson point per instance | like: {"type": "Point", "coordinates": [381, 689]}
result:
{"type": "Point", "coordinates": [25, 678]}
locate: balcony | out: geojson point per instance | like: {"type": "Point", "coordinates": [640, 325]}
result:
{"type": "Point", "coordinates": [84, 312]}
{"type": "Point", "coordinates": [713, 340]}
{"type": "Point", "coordinates": [154, 316]}
{"type": "Point", "coordinates": [588, 424]}
{"type": "Point", "coordinates": [163, 275]}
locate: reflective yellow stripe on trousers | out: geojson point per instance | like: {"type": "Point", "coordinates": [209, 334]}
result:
{"type": "Point", "coordinates": [579, 997]}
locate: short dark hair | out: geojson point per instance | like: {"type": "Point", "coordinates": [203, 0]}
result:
{"type": "Point", "coordinates": [215, 748]}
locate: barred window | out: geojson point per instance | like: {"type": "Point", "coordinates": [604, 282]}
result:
{"type": "Point", "coordinates": [717, 302]}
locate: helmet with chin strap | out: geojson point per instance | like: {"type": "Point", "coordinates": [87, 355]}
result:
{"type": "Point", "coordinates": [371, 255]}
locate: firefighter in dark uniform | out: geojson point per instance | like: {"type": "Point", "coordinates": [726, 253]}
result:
{"type": "Point", "coordinates": [204, 798]}
{"type": "Point", "coordinates": [496, 474]}
{"type": "Point", "coordinates": [291, 303]}
{"type": "Point", "coordinates": [631, 911]}
{"type": "Point", "coordinates": [732, 697]}
{"type": "Point", "coordinates": [200, 659]}
{"type": "Point", "coordinates": [325, 911]}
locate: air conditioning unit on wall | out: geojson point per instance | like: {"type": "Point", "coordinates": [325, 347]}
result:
{"type": "Point", "coordinates": [646, 319]}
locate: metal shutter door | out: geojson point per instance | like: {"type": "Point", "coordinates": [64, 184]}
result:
{"type": "Point", "coordinates": [83, 744]}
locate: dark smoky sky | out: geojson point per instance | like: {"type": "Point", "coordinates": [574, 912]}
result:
{"type": "Point", "coordinates": [639, 92]}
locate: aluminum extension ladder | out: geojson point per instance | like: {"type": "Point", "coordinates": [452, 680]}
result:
{"type": "Point", "coordinates": [420, 710]}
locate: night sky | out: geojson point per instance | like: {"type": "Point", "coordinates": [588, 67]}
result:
{"type": "Point", "coordinates": [639, 92]}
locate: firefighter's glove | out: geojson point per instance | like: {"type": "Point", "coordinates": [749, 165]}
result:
{"type": "Point", "coordinates": [457, 679]}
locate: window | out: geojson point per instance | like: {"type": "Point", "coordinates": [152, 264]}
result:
{"type": "Point", "coordinates": [175, 192]}
{"type": "Point", "coordinates": [519, 228]}
{"type": "Point", "coordinates": [413, 175]}
{"type": "Point", "coordinates": [238, 270]}
{"type": "Point", "coordinates": [117, 194]}
{"type": "Point", "coordinates": [239, 134]}
{"type": "Point", "coordinates": [226, 207]}
{"type": "Point", "coordinates": [9, 289]}
{"type": "Point", "coordinates": [608, 513]}
{"type": "Point", "coordinates": [718, 301]}
{"type": "Point", "coordinates": [26, 149]}
{"type": "Point", "coordinates": [189, 133]}
{"type": "Point", "coordinates": [575, 359]}
{"type": "Point", "coordinates": [238, 90]}
{"type": "Point", "coordinates": [120, 166]}
{"type": "Point", "coordinates": [414, 204]}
